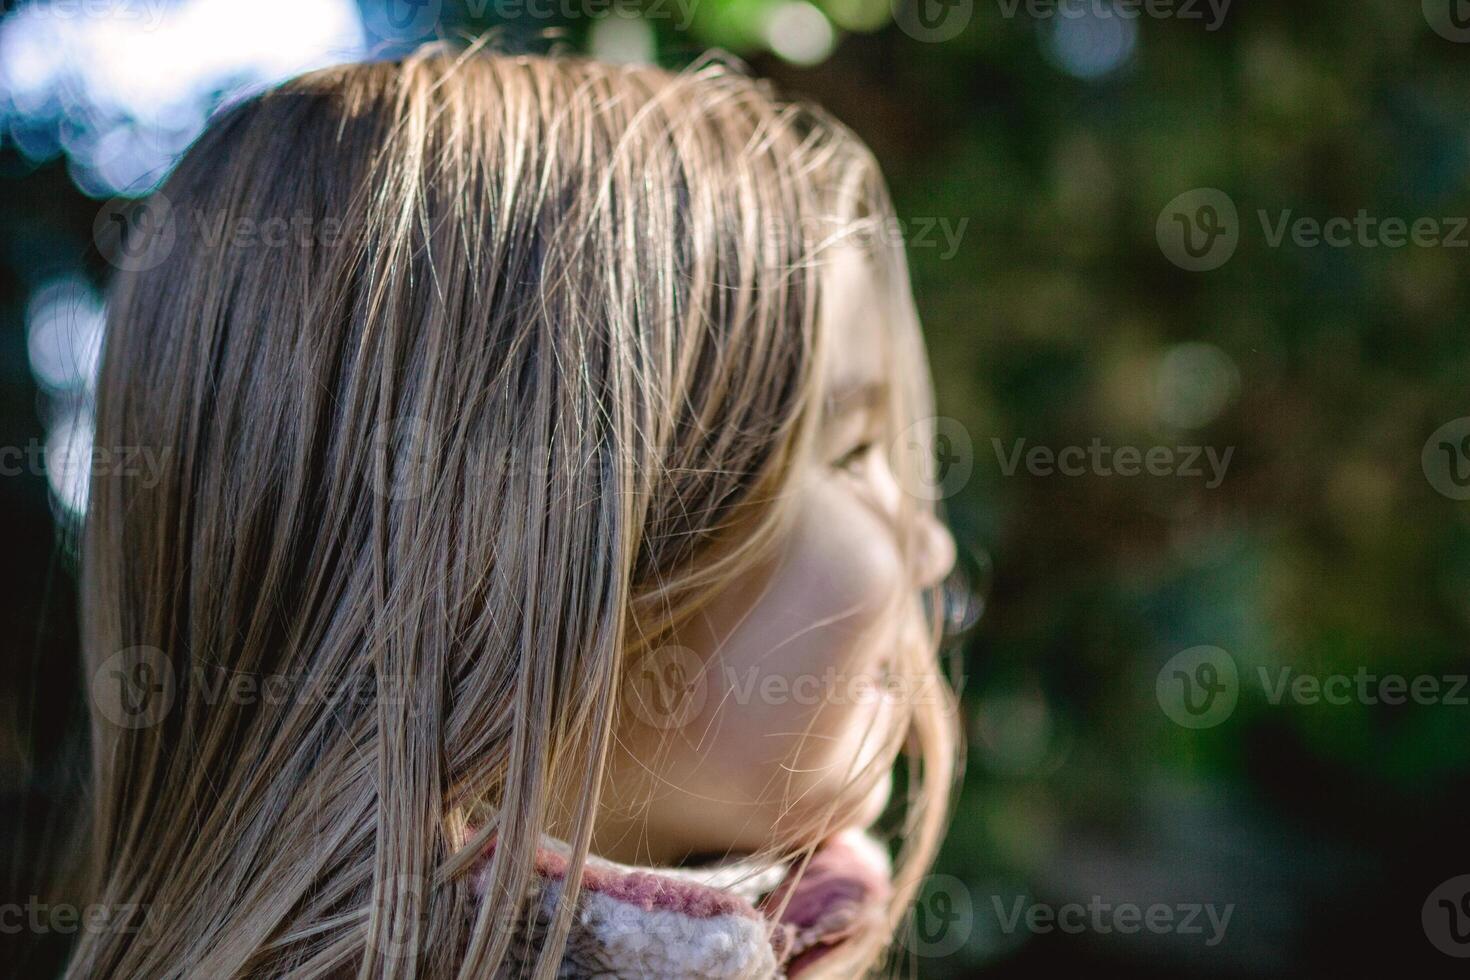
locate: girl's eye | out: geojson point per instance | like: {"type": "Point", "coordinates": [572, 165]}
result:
{"type": "Point", "coordinates": [854, 457]}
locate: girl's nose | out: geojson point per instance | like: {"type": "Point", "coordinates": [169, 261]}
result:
{"type": "Point", "coordinates": [936, 551]}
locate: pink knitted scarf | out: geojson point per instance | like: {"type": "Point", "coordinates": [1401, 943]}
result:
{"type": "Point", "coordinates": [723, 921]}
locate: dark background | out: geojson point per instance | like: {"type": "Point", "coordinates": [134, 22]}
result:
{"type": "Point", "coordinates": [1050, 142]}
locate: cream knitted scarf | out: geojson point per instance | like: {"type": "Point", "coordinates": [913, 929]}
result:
{"type": "Point", "coordinates": [722, 921]}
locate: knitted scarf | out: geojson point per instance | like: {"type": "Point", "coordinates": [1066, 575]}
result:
{"type": "Point", "coordinates": [722, 921]}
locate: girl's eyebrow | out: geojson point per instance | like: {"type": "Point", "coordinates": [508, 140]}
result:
{"type": "Point", "coordinates": [866, 393]}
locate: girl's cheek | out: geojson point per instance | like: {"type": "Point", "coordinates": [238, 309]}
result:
{"type": "Point", "coordinates": [820, 634]}
{"type": "Point", "coordinates": [793, 662]}
{"type": "Point", "coordinates": [859, 561]}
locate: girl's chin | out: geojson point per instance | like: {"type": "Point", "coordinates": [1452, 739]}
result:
{"type": "Point", "coordinates": [858, 815]}
{"type": "Point", "coordinates": [876, 802]}
{"type": "Point", "coordinates": [865, 813]}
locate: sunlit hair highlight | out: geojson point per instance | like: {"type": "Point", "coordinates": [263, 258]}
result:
{"type": "Point", "coordinates": [538, 401]}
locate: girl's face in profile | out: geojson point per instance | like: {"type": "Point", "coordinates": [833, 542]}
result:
{"type": "Point", "coordinates": [792, 702]}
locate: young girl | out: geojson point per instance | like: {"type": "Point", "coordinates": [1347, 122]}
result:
{"type": "Point", "coordinates": [543, 580]}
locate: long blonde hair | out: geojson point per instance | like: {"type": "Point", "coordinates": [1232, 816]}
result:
{"type": "Point", "coordinates": [519, 388]}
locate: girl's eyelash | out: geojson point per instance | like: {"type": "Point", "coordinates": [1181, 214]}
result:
{"type": "Point", "coordinates": [854, 454]}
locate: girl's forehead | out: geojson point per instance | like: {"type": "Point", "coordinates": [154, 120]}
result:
{"type": "Point", "coordinates": [856, 312]}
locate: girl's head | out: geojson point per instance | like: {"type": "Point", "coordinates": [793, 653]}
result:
{"type": "Point", "coordinates": [545, 448]}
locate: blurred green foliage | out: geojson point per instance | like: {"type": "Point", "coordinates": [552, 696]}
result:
{"type": "Point", "coordinates": [1057, 318]}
